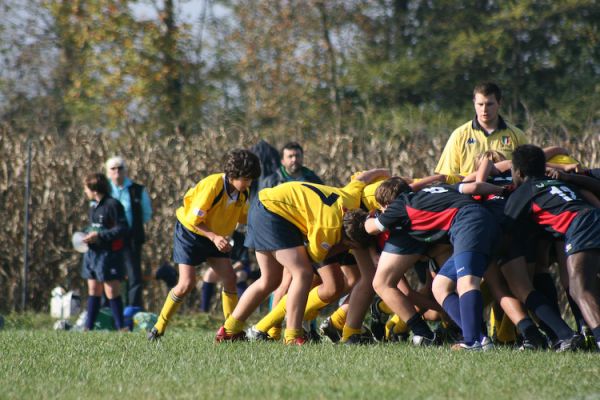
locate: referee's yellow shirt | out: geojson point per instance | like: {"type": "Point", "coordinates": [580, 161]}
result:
{"type": "Point", "coordinates": [468, 141]}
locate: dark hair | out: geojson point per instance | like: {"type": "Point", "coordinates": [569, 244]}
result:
{"type": "Point", "coordinates": [529, 160]}
{"type": "Point", "coordinates": [292, 146]}
{"type": "Point", "coordinates": [97, 182]}
{"type": "Point", "coordinates": [240, 163]}
{"type": "Point", "coordinates": [488, 88]}
{"type": "Point", "coordinates": [354, 227]}
{"type": "Point", "coordinates": [390, 189]}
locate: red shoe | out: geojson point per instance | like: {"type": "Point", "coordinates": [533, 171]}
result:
{"type": "Point", "coordinates": [299, 341]}
{"type": "Point", "coordinates": [223, 336]}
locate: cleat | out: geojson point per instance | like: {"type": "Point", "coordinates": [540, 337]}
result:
{"type": "Point", "coordinates": [313, 336]}
{"type": "Point", "coordinates": [299, 341]}
{"type": "Point", "coordinates": [327, 329]}
{"type": "Point", "coordinates": [365, 337]}
{"type": "Point", "coordinates": [153, 335]}
{"type": "Point", "coordinates": [534, 342]}
{"type": "Point", "coordinates": [487, 344]}
{"type": "Point", "coordinates": [223, 336]}
{"type": "Point", "coordinates": [418, 340]}
{"type": "Point", "coordinates": [574, 343]}
{"type": "Point", "coordinates": [378, 319]}
{"type": "Point", "coordinates": [477, 346]}
{"type": "Point", "coordinates": [254, 334]}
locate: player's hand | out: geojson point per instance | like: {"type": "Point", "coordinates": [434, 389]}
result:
{"type": "Point", "coordinates": [555, 174]}
{"type": "Point", "coordinates": [222, 243]}
{"type": "Point", "coordinates": [91, 237]}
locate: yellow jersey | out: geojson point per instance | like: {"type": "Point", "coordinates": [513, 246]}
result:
{"type": "Point", "coordinates": [470, 140]}
{"type": "Point", "coordinates": [208, 202]}
{"type": "Point", "coordinates": [367, 200]}
{"type": "Point", "coordinates": [316, 210]}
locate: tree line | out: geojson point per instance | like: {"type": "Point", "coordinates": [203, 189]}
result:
{"type": "Point", "coordinates": [294, 66]}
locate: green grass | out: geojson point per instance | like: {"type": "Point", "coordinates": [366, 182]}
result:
{"type": "Point", "coordinates": [36, 362]}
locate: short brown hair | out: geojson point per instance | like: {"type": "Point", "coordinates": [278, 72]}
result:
{"type": "Point", "coordinates": [240, 163]}
{"type": "Point", "coordinates": [354, 227]}
{"type": "Point", "coordinates": [291, 146]}
{"type": "Point", "coordinates": [390, 189]}
{"type": "Point", "coordinates": [97, 182]}
{"type": "Point", "coordinates": [488, 88]}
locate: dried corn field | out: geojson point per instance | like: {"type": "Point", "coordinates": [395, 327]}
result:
{"type": "Point", "coordinates": [168, 166]}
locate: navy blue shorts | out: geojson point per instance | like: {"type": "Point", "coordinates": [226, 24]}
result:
{"type": "Point", "coordinates": [268, 231]}
{"type": "Point", "coordinates": [402, 243]}
{"type": "Point", "coordinates": [345, 258]}
{"type": "Point", "coordinates": [474, 229]}
{"type": "Point", "coordinates": [464, 264]}
{"type": "Point", "coordinates": [103, 265]}
{"type": "Point", "coordinates": [192, 249]}
{"type": "Point", "coordinates": [584, 232]}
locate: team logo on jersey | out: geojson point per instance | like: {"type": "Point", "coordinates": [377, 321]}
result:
{"type": "Point", "coordinates": [199, 212]}
{"type": "Point", "coordinates": [568, 247]}
{"type": "Point", "coordinates": [506, 140]}
{"type": "Point", "coordinates": [470, 140]}
{"type": "Point", "coordinates": [325, 246]}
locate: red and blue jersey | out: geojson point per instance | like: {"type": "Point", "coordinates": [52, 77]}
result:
{"type": "Point", "coordinates": [426, 215]}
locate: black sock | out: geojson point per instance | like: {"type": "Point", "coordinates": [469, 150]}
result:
{"type": "Point", "coordinates": [596, 332]}
{"type": "Point", "coordinates": [116, 306]}
{"type": "Point", "coordinates": [419, 326]}
{"type": "Point", "coordinates": [537, 303]}
{"type": "Point", "coordinates": [544, 284]}
{"type": "Point", "coordinates": [93, 307]}
{"type": "Point", "coordinates": [529, 330]}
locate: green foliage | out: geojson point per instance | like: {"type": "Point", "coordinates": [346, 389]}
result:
{"type": "Point", "coordinates": [188, 364]}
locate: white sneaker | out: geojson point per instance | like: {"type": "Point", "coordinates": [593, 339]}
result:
{"type": "Point", "coordinates": [418, 340]}
{"type": "Point", "coordinates": [254, 334]}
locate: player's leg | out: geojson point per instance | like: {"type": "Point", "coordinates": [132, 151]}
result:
{"type": "Point", "coordinates": [185, 284]}
{"type": "Point", "coordinates": [297, 262]}
{"type": "Point", "coordinates": [270, 277]}
{"type": "Point", "coordinates": [112, 290]}
{"type": "Point", "coordinates": [390, 269]}
{"type": "Point", "coordinates": [583, 268]}
{"type": "Point", "coordinates": [362, 295]}
{"type": "Point", "coordinates": [209, 282]}
{"type": "Point", "coordinates": [223, 268]}
{"type": "Point", "coordinates": [93, 302]}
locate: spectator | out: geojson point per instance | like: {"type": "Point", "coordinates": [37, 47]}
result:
{"type": "Point", "coordinates": [138, 210]}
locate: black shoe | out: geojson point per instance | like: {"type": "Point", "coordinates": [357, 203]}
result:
{"type": "Point", "coordinates": [365, 337]}
{"type": "Point", "coordinates": [313, 336]}
{"type": "Point", "coordinates": [397, 337]}
{"type": "Point", "coordinates": [253, 334]}
{"type": "Point", "coordinates": [153, 335]}
{"type": "Point", "coordinates": [378, 319]}
{"type": "Point", "coordinates": [327, 329]}
{"type": "Point", "coordinates": [534, 340]}
{"type": "Point", "coordinates": [574, 343]}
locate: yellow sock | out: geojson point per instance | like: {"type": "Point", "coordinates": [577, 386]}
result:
{"type": "Point", "coordinates": [495, 323]}
{"type": "Point", "coordinates": [506, 333]}
{"type": "Point", "coordinates": [313, 305]}
{"type": "Point", "coordinates": [233, 326]}
{"type": "Point", "coordinates": [384, 308]}
{"type": "Point", "coordinates": [348, 331]}
{"type": "Point", "coordinates": [170, 307]}
{"type": "Point", "coordinates": [292, 334]}
{"type": "Point", "coordinates": [229, 301]}
{"type": "Point", "coordinates": [274, 318]}
{"type": "Point", "coordinates": [395, 325]}
{"type": "Point", "coordinates": [338, 319]}
{"type": "Point", "coordinates": [275, 332]}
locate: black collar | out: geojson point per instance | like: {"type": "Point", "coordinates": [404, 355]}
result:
{"type": "Point", "coordinates": [501, 125]}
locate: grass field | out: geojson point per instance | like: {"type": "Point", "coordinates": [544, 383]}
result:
{"type": "Point", "coordinates": [37, 362]}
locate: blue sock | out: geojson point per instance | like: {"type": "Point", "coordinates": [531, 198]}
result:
{"type": "Point", "coordinates": [241, 288]}
{"type": "Point", "coordinates": [419, 326]}
{"type": "Point", "coordinates": [208, 289]}
{"type": "Point", "coordinates": [452, 307]}
{"type": "Point", "coordinates": [93, 307]}
{"type": "Point", "coordinates": [471, 314]}
{"type": "Point", "coordinates": [116, 306]}
{"type": "Point", "coordinates": [542, 308]}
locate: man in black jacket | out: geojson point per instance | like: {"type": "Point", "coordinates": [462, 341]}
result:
{"type": "Point", "coordinates": [291, 169]}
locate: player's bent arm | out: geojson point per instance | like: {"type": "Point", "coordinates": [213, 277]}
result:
{"type": "Point", "coordinates": [428, 180]}
{"type": "Point", "coordinates": [373, 226]}
{"type": "Point", "coordinates": [481, 188]}
{"type": "Point", "coordinates": [372, 174]}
